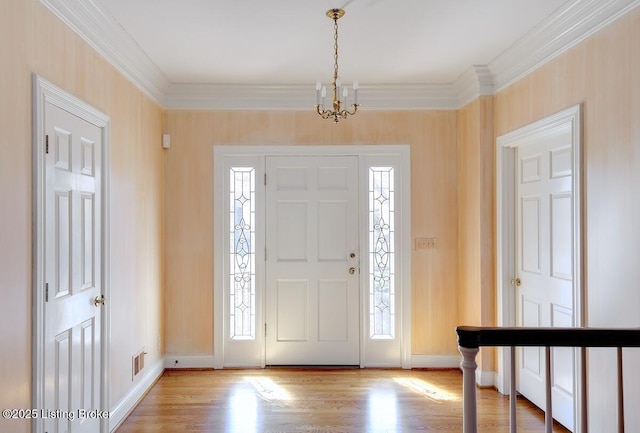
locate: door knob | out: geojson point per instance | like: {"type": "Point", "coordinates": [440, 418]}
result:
{"type": "Point", "coordinates": [99, 300]}
{"type": "Point", "coordinates": [352, 271]}
{"type": "Point", "coordinates": [515, 282]}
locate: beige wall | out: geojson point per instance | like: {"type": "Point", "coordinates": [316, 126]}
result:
{"type": "Point", "coordinates": [476, 220]}
{"type": "Point", "coordinates": [602, 74]}
{"type": "Point", "coordinates": [32, 40]}
{"type": "Point", "coordinates": [189, 215]}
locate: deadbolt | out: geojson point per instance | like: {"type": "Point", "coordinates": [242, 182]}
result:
{"type": "Point", "coordinates": [352, 255]}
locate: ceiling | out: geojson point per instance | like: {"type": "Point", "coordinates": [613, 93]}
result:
{"type": "Point", "coordinates": [258, 54]}
{"type": "Point", "coordinates": [291, 41]}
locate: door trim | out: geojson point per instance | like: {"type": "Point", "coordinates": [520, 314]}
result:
{"type": "Point", "coordinates": [402, 152]}
{"type": "Point", "coordinates": [505, 233]}
{"type": "Point", "coordinates": [45, 92]}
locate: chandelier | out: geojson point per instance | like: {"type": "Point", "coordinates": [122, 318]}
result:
{"type": "Point", "coordinates": [338, 109]}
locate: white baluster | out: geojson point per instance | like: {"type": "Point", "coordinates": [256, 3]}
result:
{"type": "Point", "coordinates": [548, 413]}
{"type": "Point", "coordinates": [469, 411]}
{"type": "Point", "coordinates": [620, 393]}
{"type": "Point", "coordinates": [583, 421]}
{"type": "Point", "coordinates": [512, 392]}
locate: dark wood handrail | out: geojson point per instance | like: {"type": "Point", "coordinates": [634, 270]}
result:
{"type": "Point", "coordinates": [474, 337]}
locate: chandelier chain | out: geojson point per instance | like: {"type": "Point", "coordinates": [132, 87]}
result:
{"type": "Point", "coordinates": [335, 48]}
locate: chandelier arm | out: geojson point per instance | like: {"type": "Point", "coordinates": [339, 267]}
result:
{"type": "Point", "coordinates": [344, 113]}
{"type": "Point", "coordinates": [351, 113]}
{"type": "Point", "coordinates": [325, 114]}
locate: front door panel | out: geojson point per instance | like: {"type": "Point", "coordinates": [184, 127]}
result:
{"type": "Point", "coordinates": [312, 272]}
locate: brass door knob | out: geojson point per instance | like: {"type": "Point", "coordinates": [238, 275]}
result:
{"type": "Point", "coordinates": [515, 282]}
{"type": "Point", "coordinates": [99, 300]}
{"type": "Point", "coordinates": [352, 271]}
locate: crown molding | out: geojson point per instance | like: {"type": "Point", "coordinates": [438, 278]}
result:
{"type": "Point", "coordinates": [474, 82]}
{"type": "Point", "coordinates": [572, 23]}
{"type": "Point", "coordinates": [93, 23]}
{"type": "Point", "coordinates": [409, 96]}
{"type": "Point", "coordinates": [301, 97]}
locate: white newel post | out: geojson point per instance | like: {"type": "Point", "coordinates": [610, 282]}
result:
{"type": "Point", "coordinates": [469, 413]}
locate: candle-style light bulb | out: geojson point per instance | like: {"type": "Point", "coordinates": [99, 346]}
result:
{"type": "Point", "coordinates": [355, 92]}
{"type": "Point", "coordinates": [318, 88]}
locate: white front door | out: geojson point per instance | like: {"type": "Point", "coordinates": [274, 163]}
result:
{"type": "Point", "coordinates": [312, 263]}
{"type": "Point", "coordinates": [544, 264]}
{"type": "Point", "coordinates": [72, 272]}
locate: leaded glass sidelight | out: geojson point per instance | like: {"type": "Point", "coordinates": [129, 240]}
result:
{"type": "Point", "coordinates": [242, 254]}
{"type": "Point", "coordinates": [381, 253]}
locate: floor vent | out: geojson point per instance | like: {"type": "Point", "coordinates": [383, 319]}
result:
{"type": "Point", "coordinates": [137, 363]}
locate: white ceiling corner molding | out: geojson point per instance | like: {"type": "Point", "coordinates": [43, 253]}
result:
{"type": "Point", "coordinates": [572, 23]}
{"type": "Point", "coordinates": [301, 97]}
{"type": "Point", "coordinates": [474, 82]}
{"type": "Point", "coordinates": [99, 29]}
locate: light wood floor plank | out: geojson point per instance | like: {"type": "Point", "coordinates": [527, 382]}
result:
{"type": "Point", "coordinates": [320, 400]}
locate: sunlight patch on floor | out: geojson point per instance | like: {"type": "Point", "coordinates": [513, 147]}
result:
{"type": "Point", "coordinates": [242, 410]}
{"type": "Point", "coordinates": [382, 411]}
{"type": "Point", "coordinates": [427, 389]}
{"type": "Point", "coordinates": [268, 389]}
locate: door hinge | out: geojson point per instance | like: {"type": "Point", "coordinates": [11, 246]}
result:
{"type": "Point", "coordinates": [46, 144]}
{"type": "Point", "coordinates": [265, 254]}
{"type": "Point", "coordinates": [265, 179]}
{"type": "Point", "coordinates": [46, 292]}
{"type": "Point", "coordinates": [265, 329]}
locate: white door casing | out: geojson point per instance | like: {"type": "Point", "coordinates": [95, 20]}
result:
{"type": "Point", "coordinates": [70, 160]}
{"type": "Point", "coordinates": [514, 306]}
{"type": "Point", "coordinates": [312, 265]}
{"type": "Point", "coordinates": [250, 352]}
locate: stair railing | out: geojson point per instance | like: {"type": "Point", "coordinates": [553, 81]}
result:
{"type": "Point", "coordinates": [471, 338]}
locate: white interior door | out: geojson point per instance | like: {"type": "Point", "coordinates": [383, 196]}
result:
{"type": "Point", "coordinates": [312, 263]}
{"type": "Point", "coordinates": [72, 272]}
{"type": "Point", "coordinates": [544, 263]}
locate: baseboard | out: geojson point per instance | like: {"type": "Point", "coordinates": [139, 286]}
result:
{"type": "Point", "coordinates": [189, 361]}
{"type": "Point", "coordinates": [435, 361]}
{"type": "Point", "coordinates": [124, 407]}
{"type": "Point", "coordinates": [485, 379]}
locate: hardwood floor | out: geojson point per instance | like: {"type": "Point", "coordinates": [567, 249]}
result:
{"type": "Point", "coordinates": [320, 400]}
